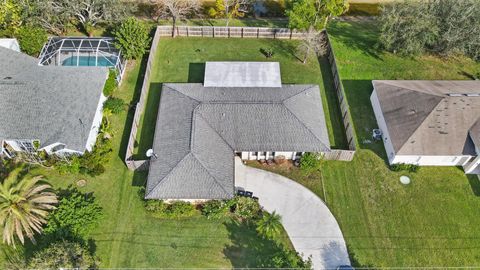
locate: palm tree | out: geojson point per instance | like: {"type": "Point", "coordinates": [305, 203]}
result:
{"type": "Point", "coordinates": [24, 205]}
{"type": "Point", "coordinates": [270, 225]}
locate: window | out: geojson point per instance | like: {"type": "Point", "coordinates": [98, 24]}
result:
{"type": "Point", "coordinates": [26, 146]}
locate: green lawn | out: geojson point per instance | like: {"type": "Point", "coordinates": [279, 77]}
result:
{"type": "Point", "coordinates": [431, 222]}
{"type": "Point", "coordinates": [129, 237]}
{"type": "Point", "coordinates": [183, 60]}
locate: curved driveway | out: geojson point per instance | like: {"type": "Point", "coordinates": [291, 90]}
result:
{"type": "Point", "coordinates": [310, 225]}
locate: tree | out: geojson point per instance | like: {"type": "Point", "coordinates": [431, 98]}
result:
{"type": "Point", "coordinates": [270, 225]}
{"type": "Point", "coordinates": [177, 10]}
{"type": "Point", "coordinates": [31, 39]}
{"type": "Point", "coordinates": [132, 38]}
{"type": "Point", "coordinates": [76, 216]}
{"type": "Point", "coordinates": [54, 16]}
{"type": "Point", "coordinates": [311, 16]}
{"type": "Point", "coordinates": [90, 12]}
{"type": "Point", "coordinates": [442, 27]}
{"type": "Point", "coordinates": [10, 16]}
{"type": "Point", "coordinates": [24, 206]}
{"type": "Point", "coordinates": [229, 9]}
{"type": "Point", "coordinates": [63, 255]}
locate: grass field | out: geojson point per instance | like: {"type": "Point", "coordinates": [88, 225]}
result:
{"type": "Point", "coordinates": [183, 60]}
{"type": "Point", "coordinates": [128, 237]}
{"type": "Point", "coordinates": [431, 222]}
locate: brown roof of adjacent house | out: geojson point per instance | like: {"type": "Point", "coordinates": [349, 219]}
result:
{"type": "Point", "coordinates": [431, 117]}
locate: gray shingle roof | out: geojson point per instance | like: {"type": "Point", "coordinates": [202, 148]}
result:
{"type": "Point", "coordinates": [48, 103]}
{"type": "Point", "coordinates": [423, 118]}
{"type": "Point", "coordinates": [199, 128]}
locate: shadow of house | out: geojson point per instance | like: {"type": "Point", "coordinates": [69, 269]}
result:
{"type": "Point", "coordinates": [474, 181]}
{"type": "Point", "coordinates": [196, 72]}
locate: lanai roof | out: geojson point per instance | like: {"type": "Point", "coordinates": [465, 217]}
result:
{"type": "Point", "coordinates": [199, 128]}
{"type": "Point", "coordinates": [430, 117]}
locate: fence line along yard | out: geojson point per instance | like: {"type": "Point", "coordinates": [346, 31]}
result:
{"type": "Point", "coordinates": [140, 108]}
{"type": "Point", "coordinates": [230, 32]}
{"type": "Point", "coordinates": [235, 32]}
{"type": "Point", "coordinates": [345, 109]}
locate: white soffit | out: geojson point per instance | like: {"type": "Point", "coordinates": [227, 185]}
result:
{"type": "Point", "coordinates": [242, 74]}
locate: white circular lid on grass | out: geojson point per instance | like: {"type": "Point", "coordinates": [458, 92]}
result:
{"type": "Point", "coordinates": [404, 180]}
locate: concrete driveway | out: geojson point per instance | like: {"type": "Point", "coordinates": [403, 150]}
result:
{"type": "Point", "coordinates": [309, 223]}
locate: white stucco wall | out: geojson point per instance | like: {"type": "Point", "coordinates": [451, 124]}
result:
{"type": "Point", "coordinates": [269, 155]}
{"type": "Point", "coordinates": [432, 160]}
{"type": "Point", "coordinates": [97, 122]}
{"type": "Point", "coordinates": [382, 125]}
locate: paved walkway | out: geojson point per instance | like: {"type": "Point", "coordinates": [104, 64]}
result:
{"type": "Point", "coordinates": [310, 225]}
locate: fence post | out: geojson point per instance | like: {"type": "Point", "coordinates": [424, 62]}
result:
{"type": "Point", "coordinates": [291, 32]}
{"type": "Point", "coordinates": [187, 30]}
{"type": "Point", "coordinates": [228, 29]}
{"type": "Point", "coordinates": [258, 32]}
{"type": "Point", "coordinates": [274, 33]}
{"type": "Point", "coordinates": [202, 30]}
{"type": "Point", "coordinates": [213, 31]}
{"type": "Point", "coordinates": [242, 32]}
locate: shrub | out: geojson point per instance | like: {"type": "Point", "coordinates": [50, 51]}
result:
{"type": "Point", "coordinates": [310, 162]}
{"type": "Point", "coordinates": [76, 216]}
{"type": "Point", "coordinates": [115, 105]}
{"type": "Point", "coordinates": [31, 39]}
{"type": "Point", "coordinates": [132, 37]}
{"type": "Point", "coordinates": [246, 208]}
{"type": "Point", "coordinates": [404, 167]}
{"type": "Point", "coordinates": [216, 208]}
{"type": "Point", "coordinates": [63, 255]}
{"type": "Point", "coordinates": [268, 52]}
{"type": "Point", "coordinates": [286, 258]}
{"type": "Point", "coordinates": [176, 209]}
{"type": "Point", "coordinates": [110, 83]}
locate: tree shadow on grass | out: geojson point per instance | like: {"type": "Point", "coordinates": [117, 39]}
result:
{"type": "Point", "coordinates": [357, 35]}
{"type": "Point", "coordinates": [247, 249]}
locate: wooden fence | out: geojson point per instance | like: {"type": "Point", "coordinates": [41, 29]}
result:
{"type": "Point", "coordinates": [139, 110]}
{"type": "Point", "coordinates": [235, 32]}
{"type": "Point", "coordinates": [345, 109]}
{"type": "Point", "coordinates": [230, 32]}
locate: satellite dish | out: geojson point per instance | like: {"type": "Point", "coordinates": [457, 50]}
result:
{"type": "Point", "coordinates": [150, 153]}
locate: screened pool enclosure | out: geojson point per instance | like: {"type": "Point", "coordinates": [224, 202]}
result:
{"type": "Point", "coordinates": [83, 51]}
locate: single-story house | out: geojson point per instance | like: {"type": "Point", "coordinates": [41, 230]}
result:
{"type": "Point", "coordinates": [431, 123]}
{"type": "Point", "coordinates": [200, 129]}
{"type": "Point", "coordinates": [52, 108]}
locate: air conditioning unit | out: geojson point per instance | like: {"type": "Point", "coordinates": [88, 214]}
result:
{"type": "Point", "coordinates": [377, 134]}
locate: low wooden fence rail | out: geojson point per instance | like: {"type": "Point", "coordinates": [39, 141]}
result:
{"type": "Point", "coordinates": [235, 32]}
{"type": "Point", "coordinates": [230, 32]}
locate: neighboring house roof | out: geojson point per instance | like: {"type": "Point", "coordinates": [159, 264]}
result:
{"type": "Point", "coordinates": [242, 74]}
{"type": "Point", "coordinates": [199, 128]}
{"type": "Point", "coordinates": [430, 117]}
{"type": "Point", "coordinates": [49, 103]}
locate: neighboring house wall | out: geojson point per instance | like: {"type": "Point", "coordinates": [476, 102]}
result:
{"type": "Point", "coordinates": [270, 155]}
{"type": "Point", "coordinates": [97, 122]}
{"type": "Point", "coordinates": [432, 160]}
{"type": "Point", "coordinates": [383, 127]}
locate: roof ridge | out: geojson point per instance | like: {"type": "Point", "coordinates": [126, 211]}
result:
{"type": "Point", "coordinates": [214, 178]}
{"type": "Point", "coordinates": [195, 113]}
{"type": "Point", "coordinates": [388, 82]}
{"type": "Point", "coordinates": [307, 128]}
{"type": "Point", "coordinates": [169, 173]}
{"type": "Point", "coordinates": [303, 91]}
{"type": "Point", "coordinates": [169, 85]}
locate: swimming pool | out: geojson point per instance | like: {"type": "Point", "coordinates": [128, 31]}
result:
{"type": "Point", "coordinates": [103, 61]}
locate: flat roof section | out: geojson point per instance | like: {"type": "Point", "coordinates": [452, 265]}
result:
{"type": "Point", "coordinates": [242, 74]}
